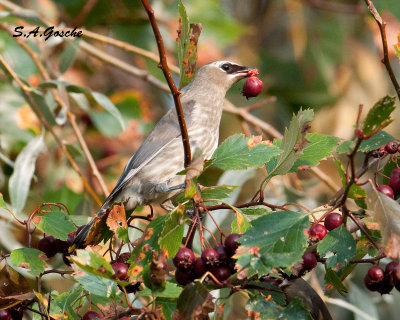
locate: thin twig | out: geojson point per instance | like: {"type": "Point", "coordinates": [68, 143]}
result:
{"type": "Point", "coordinates": [174, 90]}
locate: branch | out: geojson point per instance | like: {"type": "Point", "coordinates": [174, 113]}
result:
{"type": "Point", "coordinates": [382, 29]}
{"type": "Point", "coordinates": [174, 90]}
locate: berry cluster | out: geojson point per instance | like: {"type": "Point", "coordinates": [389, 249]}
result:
{"type": "Point", "coordinates": [217, 260]}
{"type": "Point", "coordinates": [383, 281]}
{"type": "Point", "coordinates": [253, 85]}
{"type": "Point", "coordinates": [332, 221]}
{"type": "Point", "coordinates": [391, 148]}
{"type": "Point", "coordinates": [393, 189]}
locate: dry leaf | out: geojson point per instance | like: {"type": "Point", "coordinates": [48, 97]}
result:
{"type": "Point", "coordinates": [116, 218]}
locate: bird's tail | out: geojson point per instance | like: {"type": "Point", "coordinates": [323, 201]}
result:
{"type": "Point", "coordinates": [80, 239]}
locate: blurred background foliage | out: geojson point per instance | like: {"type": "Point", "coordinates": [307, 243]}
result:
{"type": "Point", "coordinates": [310, 53]}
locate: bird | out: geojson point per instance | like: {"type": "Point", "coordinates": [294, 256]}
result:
{"type": "Point", "coordinates": [150, 175]}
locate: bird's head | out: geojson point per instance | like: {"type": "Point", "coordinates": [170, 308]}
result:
{"type": "Point", "coordinates": [222, 74]}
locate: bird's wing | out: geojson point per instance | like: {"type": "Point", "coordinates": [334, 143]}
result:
{"type": "Point", "coordinates": [164, 133]}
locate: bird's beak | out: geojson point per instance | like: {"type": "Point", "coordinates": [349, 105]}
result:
{"type": "Point", "coordinates": [243, 72]}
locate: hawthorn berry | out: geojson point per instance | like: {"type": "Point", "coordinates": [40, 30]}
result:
{"type": "Point", "coordinates": [120, 270]}
{"type": "Point", "coordinates": [392, 270]}
{"type": "Point", "coordinates": [91, 315]}
{"type": "Point", "coordinates": [394, 182]}
{"type": "Point", "coordinates": [386, 285]}
{"type": "Point", "coordinates": [317, 231]}
{"type": "Point", "coordinates": [184, 259]}
{"type": "Point", "coordinates": [5, 314]}
{"type": "Point", "coordinates": [48, 246]}
{"type": "Point", "coordinates": [184, 277]}
{"type": "Point", "coordinates": [231, 244]}
{"type": "Point", "coordinates": [371, 285]}
{"type": "Point", "coordinates": [199, 267]}
{"type": "Point", "coordinates": [222, 254]}
{"type": "Point", "coordinates": [252, 87]}
{"type": "Point", "coordinates": [392, 147]}
{"type": "Point", "coordinates": [376, 273]}
{"type": "Point", "coordinates": [333, 220]}
{"type": "Point", "coordinates": [210, 257]}
{"type": "Point", "coordinates": [309, 260]}
{"type": "Point", "coordinates": [386, 190]}
{"type": "Point", "coordinates": [221, 273]}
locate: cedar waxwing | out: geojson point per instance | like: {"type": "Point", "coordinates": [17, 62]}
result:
{"type": "Point", "coordinates": [150, 176]}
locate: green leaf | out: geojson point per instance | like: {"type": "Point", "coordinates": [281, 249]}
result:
{"type": "Point", "coordinates": [340, 242]}
{"type": "Point", "coordinates": [188, 37]}
{"type": "Point", "coordinates": [293, 142]}
{"type": "Point", "coordinates": [380, 139]}
{"type": "Point", "coordinates": [28, 258]}
{"type": "Point", "coordinates": [379, 115]}
{"type": "Point", "coordinates": [192, 296]}
{"type": "Point", "coordinates": [93, 263]}
{"type": "Point", "coordinates": [97, 285]}
{"type": "Point", "coordinates": [332, 278]}
{"type": "Point", "coordinates": [242, 226]}
{"type": "Point", "coordinates": [319, 147]}
{"type": "Point", "coordinates": [168, 306]}
{"type": "Point", "coordinates": [2, 202]}
{"type": "Point", "coordinates": [267, 309]}
{"type": "Point", "coordinates": [345, 146]}
{"type": "Point", "coordinates": [66, 299]}
{"type": "Point", "coordinates": [68, 55]}
{"type": "Point", "coordinates": [43, 107]}
{"type": "Point", "coordinates": [103, 100]}
{"type": "Point", "coordinates": [217, 192]}
{"type": "Point", "coordinates": [123, 234]}
{"type": "Point", "coordinates": [171, 290]}
{"type": "Point", "coordinates": [276, 240]}
{"type": "Point", "coordinates": [55, 223]}
{"type": "Point", "coordinates": [235, 154]}
{"type": "Point", "coordinates": [24, 168]}
{"type": "Point", "coordinates": [255, 211]}
{"type": "Point", "coordinates": [172, 233]}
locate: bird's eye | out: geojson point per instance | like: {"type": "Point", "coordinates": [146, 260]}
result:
{"type": "Point", "coordinates": [226, 67]}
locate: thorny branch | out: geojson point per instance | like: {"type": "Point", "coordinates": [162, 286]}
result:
{"type": "Point", "coordinates": [174, 90]}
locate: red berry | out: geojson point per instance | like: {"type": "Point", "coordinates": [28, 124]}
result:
{"type": "Point", "coordinates": [184, 259]}
{"type": "Point", "coordinates": [231, 244]}
{"type": "Point", "coordinates": [333, 220]}
{"type": "Point", "coordinates": [392, 147]}
{"type": "Point", "coordinates": [48, 246]}
{"type": "Point", "coordinates": [184, 277]}
{"type": "Point", "coordinates": [5, 314]}
{"type": "Point", "coordinates": [222, 254]}
{"type": "Point", "coordinates": [210, 257]}
{"type": "Point", "coordinates": [394, 182]}
{"type": "Point", "coordinates": [221, 273]}
{"type": "Point", "coordinates": [376, 273]}
{"type": "Point", "coordinates": [199, 267]}
{"type": "Point", "coordinates": [386, 285]}
{"type": "Point", "coordinates": [63, 246]}
{"type": "Point", "coordinates": [371, 285]}
{"type": "Point", "coordinates": [309, 260]}
{"type": "Point", "coordinates": [392, 269]}
{"type": "Point", "coordinates": [386, 190]}
{"type": "Point", "coordinates": [317, 231]}
{"type": "Point", "coordinates": [252, 87]}
{"type": "Point", "coordinates": [120, 270]}
{"type": "Point", "coordinates": [91, 315]}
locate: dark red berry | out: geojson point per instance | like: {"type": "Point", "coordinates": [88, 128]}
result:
{"type": "Point", "coordinates": [393, 270]}
{"type": "Point", "coordinates": [371, 285]}
{"type": "Point", "coordinates": [48, 246]}
{"type": "Point", "coordinates": [394, 182]}
{"type": "Point", "coordinates": [199, 267]}
{"type": "Point", "coordinates": [333, 220]}
{"type": "Point", "coordinates": [222, 254]}
{"type": "Point", "coordinates": [184, 259]}
{"type": "Point", "coordinates": [317, 231]}
{"type": "Point", "coordinates": [379, 153]}
{"type": "Point", "coordinates": [91, 315]}
{"type": "Point", "coordinates": [120, 270]}
{"type": "Point", "coordinates": [386, 285]}
{"type": "Point", "coordinates": [5, 314]}
{"type": "Point", "coordinates": [63, 246]}
{"type": "Point", "coordinates": [221, 273]}
{"type": "Point", "coordinates": [386, 190]}
{"type": "Point", "coordinates": [252, 87]}
{"type": "Point", "coordinates": [210, 257]}
{"type": "Point", "coordinates": [309, 261]}
{"type": "Point", "coordinates": [376, 273]}
{"type": "Point", "coordinates": [231, 244]}
{"type": "Point", "coordinates": [184, 277]}
{"type": "Point", "coordinates": [392, 147]}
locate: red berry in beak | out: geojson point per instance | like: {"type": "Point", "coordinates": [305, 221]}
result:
{"type": "Point", "coordinates": [252, 87]}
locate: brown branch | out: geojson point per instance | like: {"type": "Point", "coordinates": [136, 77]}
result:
{"type": "Point", "coordinates": [174, 90]}
{"type": "Point", "coordinates": [385, 60]}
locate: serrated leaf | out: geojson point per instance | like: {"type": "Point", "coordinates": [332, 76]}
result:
{"type": "Point", "coordinates": [217, 192]}
{"type": "Point", "coordinates": [93, 263]}
{"type": "Point", "coordinates": [28, 258]}
{"type": "Point", "coordinates": [192, 296]}
{"type": "Point", "coordinates": [123, 234]}
{"type": "Point", "coordinates": [276, 240]}
{"type": "Point", "coordinates": [380, 139]}
{"type": "Point", "coordinates": [172, 233]}
{"type": "Point", "coordinates": [235, 154]}
{"type": "Point", "coordinates": [379, 115]}
{"type": "Point", "coordinates": [240, 224]}
{"type": "Point", "coordinates": [68, 55]}
{"type": "Point", "coordinates": [345, 146]}
{"type": "Point", "coordinates": [171, 290]}
{"type": "Point", "coordinates": [293, 142]}
{"type": "Point", "coordinates": [24, 168]}
{"type": "Point", "coordinates": [320, 146]}
{"type": "Point", "coordinates": [340, 242]}
{"type": "Point", "coordinates": [332, 278]}
{"type": "Point", "coordinates": [66, 299]}
{"type": "Point", "coordinates": [97, 285]}
{"type": "Point", "coordinates": [55, 223]}
{"type": "Point", "coordinates": [168, 306]}
{"type": "Point", "coordinates": [386, 212]}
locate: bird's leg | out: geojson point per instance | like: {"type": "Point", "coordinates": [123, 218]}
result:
{"type": "Point", "coordinates": [163, 187]}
